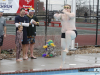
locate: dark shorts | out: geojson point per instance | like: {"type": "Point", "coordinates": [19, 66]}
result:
{"type": "Point", "coordinates": [1, 40]}
{"type": "Point", "coordinates": [63, 34]}
{"type": "Point", "coordinates": [31, 39]}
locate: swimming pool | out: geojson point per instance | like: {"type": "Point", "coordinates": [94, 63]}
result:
{"type": "Point", "coordinates": [84, 71]}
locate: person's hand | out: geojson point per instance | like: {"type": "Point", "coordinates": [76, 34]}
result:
{"type": "Point", "coordinates": [34, 22]}
{"type": "Point", "coordinates": [64, 10]}
{"type": "Point", "coordinates": [20, 23]}
{"type": "Point", "coordinates": [4, 35]}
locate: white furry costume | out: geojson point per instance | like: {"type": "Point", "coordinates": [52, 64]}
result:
{"type": "Point", "coordinates": [68, 25]}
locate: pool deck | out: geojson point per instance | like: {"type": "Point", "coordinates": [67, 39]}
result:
{"type": "Point", "coordinates": [77, 61]}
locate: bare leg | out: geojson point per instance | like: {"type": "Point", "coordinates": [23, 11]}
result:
{"type": "Point", "coordinates": [18, 49]}
{"type": "Point", "coordinates": [63, 53]}
{"type": "Point", "coordinates": [24, 51]}
{"type": "Point", "coordinates": [65, 43]}
{"type": "Point", "coordinates": [17, 53]}
{"type": "Point", "coordinates": [31, 49]}
{"type": "Point", "coordinates": [68, 42]}
{"type": "Point", "coordinates": [27, 46]}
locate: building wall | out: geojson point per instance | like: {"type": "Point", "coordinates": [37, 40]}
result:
{"type": "Point", "coordinates": [39, 7]}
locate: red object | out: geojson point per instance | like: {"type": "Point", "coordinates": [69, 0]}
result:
{"type": "Point", "coordinates": [54, 22]}
{"type": "Point", "coordinates": [25, 4]}
{"type": "Point", "coordinates": [43, 8]}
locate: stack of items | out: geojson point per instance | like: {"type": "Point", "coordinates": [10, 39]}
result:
{"type": "Point", "coordinates": [49, 47]}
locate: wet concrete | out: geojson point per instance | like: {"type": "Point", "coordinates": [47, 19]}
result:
{"type": "Point", "coordinates": [41, 63]}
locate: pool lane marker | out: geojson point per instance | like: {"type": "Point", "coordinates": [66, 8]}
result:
{"type": "Point", "coordinates": [72, 64]}
{"type": "Point", "coordinates": [42, 65]}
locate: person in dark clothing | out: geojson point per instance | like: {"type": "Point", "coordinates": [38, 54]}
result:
{"type": "Point", "coordinates": [85, 15]}
{"type": "Point", "coordinates": [31, 30]}
{"type": "Point", "coordinates": [23, 20]}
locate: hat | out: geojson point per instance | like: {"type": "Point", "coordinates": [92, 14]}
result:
{"type": "Point", "coordinates": [1, 10]}
{"type": "Point", "coordinates": [31, 9]}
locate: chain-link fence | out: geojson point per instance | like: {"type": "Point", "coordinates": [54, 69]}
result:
{"type": "Point", "coordinates": [86, 30]}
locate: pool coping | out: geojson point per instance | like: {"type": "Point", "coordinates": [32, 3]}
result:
{"type": "Point", "coordinates": [44, 70]}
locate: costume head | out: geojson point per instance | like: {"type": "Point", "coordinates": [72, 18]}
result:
{"type": "Point", "coordinates": [31, 9]}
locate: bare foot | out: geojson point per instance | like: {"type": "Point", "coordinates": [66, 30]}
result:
{"type": "Point", "coordinates": [18, 60]}
{"type": "Point", "coordinates": [61, 66]}
{"type": "Point", "coordinates": [33, 57]}
{"type": "Point", "coordinates": [25, 58]}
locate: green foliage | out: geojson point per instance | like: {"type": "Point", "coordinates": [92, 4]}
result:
{"type": "Point", "coordinates": [4, 52]}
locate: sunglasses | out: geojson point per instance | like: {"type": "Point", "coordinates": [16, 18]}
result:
{"type": "Point", "coordinates": [66, 7]}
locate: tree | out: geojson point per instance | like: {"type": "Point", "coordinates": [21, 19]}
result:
{"type": "Point", "coordinates": [81, 7]}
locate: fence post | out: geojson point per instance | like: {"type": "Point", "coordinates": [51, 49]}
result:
{"type": "Point", "coordinates": [97, 24]}
{"type": "Point", "coordinates": [73, 10]}
{"type": "Point", "coordinates": [46, 21]}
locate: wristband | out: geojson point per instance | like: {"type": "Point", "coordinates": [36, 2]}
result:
{"type": "Point", "coordinates": [20, 23]}
{"type": "Point", "coordinates": [31, 23]}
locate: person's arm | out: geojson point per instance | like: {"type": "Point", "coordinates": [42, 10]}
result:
{"type": "Point", "coordinates": [17, 23]}
{"type": "Point", "coordinates": [25, 24]}
{"type": "Point", "coordinates": [5, 31]}
{"type": "Point", "coordinates": [33, 22]}
{"type": "Point", "coordinates": [37, 21]}
{"type": "Point", "coordinates": [17, 38]}
{"type": "Point", "coordinates": [57, 16]}
{"type": "Point", "coordinates": [70, 15]}
{"type": "Point", "coordinates": [4, 28]}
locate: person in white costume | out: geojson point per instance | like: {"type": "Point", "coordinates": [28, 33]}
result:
{"type": "Point", "coordinates": [68, 30]}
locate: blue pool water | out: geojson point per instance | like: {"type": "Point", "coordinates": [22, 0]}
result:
{"type": "Point", "coordinates": [91, 71]}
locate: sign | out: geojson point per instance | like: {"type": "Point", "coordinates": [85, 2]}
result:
{"type": "Point", "coordinates": [44, 8]}
{"type": "Point", "coordinates": [14, 6]}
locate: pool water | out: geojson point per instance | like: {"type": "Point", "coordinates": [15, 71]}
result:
{"type": "Point", "coordinates": [91, 71]}
{"type": "Point", "coordinates": [82, 73]}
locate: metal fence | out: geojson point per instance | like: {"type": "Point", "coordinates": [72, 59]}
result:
{"type": "Point", "coordinates": [86, 30]}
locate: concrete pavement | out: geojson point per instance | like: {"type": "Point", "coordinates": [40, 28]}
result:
{"type": "Point", "coordinates": [41, 63]}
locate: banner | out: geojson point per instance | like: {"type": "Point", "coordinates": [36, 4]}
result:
{"type": "Point", "coordinates": [14, 6]}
